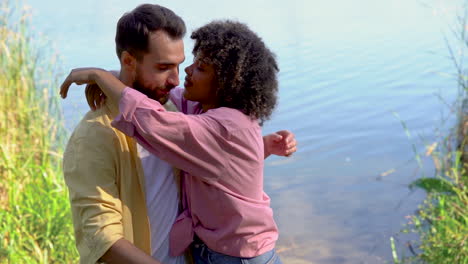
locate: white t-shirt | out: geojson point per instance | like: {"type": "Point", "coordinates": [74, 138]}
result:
{"type": "Point", "coordinates": [162, 199]}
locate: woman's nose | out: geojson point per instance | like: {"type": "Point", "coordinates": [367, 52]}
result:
{"type": "Point", "coordinates": [188, 69]}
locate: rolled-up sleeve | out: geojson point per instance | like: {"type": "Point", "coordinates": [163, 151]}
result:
{"type": "Point", "coordinates": [90, 174]}
{"type": "Point", "coordinates": [193, 143]}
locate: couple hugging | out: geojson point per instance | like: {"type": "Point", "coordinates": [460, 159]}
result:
{"type": "Point", "coordinates": [163, 174]}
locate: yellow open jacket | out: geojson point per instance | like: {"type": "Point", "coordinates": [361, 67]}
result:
{"type": "Point", "coordinates": [106, 184]}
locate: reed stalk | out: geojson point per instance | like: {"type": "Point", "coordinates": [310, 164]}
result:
{"type": "Point", "coordinates": [35, 219]}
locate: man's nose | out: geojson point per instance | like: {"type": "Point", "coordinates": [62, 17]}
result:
{"type": "Point", "coordinates": [173, 78]}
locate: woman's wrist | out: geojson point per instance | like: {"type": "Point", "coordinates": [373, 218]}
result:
{"type": "Point", "coordinates": [100, 76]}
{"type": "Point", "coordinates": [109, 84]}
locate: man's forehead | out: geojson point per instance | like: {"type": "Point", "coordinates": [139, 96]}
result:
{"type": "Point", "coordinates": [165, 47]}
{"type": "Point", "coordinates": [161, 35]}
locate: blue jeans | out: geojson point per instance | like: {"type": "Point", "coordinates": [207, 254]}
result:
{"type": "Point", "coordinates": [203, 255]}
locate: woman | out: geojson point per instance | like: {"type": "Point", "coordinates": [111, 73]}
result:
{"type": "Point", "coordinates": [230, 90]}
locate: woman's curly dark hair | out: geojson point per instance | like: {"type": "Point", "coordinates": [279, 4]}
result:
{"type": "Point", "coordinates": [246, 70]}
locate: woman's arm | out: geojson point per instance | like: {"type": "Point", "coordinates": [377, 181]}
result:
{"type": "Point", "coordinates": [190, 142]}
{"type": "Point", "coordinates": [193, 143]}
{"type": "Point", "coordinates": [109, 84]}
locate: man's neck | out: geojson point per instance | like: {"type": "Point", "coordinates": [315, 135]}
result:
{"type": "Point", "coordinates": [125, 79]}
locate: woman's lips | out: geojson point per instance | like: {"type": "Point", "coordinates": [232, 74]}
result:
{"type": "Point", "coordinates": [187, 83]}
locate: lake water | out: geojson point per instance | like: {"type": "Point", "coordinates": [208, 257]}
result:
{"type": "Point", "coordinates": [351, 73]}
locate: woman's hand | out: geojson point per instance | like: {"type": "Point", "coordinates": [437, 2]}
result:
{"type": "Point", "coordinates": [281, 143]}
{"type": "Point", "coordinates": [109, 84]}
{"type": "Point", "coordinates": [79, 76]}
{"type": "Point", "coordinates": [94, 95]}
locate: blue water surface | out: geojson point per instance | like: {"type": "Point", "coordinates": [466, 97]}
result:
{"type": "Point", "coordinates": [353, 75]}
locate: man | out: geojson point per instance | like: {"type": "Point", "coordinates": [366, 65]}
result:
{"type": "Point", "coordinates": [125, 200]}
{"type": "Point", "coordinates": [114, 192]}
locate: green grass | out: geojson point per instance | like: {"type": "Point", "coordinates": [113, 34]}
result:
{"type": "Point", "coordinates": [442, 220]}
{"type": "Point", "coordinates": [35, 219]}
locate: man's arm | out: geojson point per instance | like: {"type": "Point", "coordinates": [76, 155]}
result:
{"type": "Point", "coordinates": [90, 173]}
{"type": "Point", "coordinates": [125, 252]}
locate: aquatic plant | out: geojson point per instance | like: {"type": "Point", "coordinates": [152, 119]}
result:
{"type": "Point", "coordinates": [442, 220]}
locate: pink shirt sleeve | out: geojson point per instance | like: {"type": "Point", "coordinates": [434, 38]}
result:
{"type": "Point", "coordinates": [193, 143]}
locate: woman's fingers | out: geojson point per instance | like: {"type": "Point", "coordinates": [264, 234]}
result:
{"type": "Point", "coordinates": [65, 86]}
{"type": "Point", "coordinates": [289, 140]}
{"type": "Point", "coordinates": [290, 151]}
{"type": "Point", "coordinates": [79, 76]}
{"type": "Point", "coordinates": [93, 96]}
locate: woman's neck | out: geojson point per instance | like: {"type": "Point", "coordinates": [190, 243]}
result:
{"type": "Point", "coordinates": [207, 107]}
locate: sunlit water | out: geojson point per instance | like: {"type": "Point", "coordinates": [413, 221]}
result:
{"type": "Point", "coordinates": [352, 73]}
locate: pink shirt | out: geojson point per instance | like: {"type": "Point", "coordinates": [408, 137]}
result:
{"type": "Point", "coordinates": [222, 152]}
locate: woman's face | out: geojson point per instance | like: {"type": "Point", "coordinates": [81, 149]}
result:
{"type": "Point", "coordinates": [200, 83]}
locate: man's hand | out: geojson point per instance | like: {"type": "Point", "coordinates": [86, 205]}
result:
{"type": "Point", "coordinates": [281, 143]}
{"type": "Point", "coordinates": [125, 252]}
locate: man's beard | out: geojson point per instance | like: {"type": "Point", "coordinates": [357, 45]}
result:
{"type": "Point", "coordinates": [150, 92]}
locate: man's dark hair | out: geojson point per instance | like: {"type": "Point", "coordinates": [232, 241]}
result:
{"type": "Point", "coordinates": [135, 27]}
{"type": "Point", "coordinates": [246, 70]}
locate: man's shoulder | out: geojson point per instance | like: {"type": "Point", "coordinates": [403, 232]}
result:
{"type": "Point", "coordinates": [95, 124]}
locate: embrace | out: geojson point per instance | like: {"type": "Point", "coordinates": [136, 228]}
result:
{"type": "Point", "coordinates": [163, 174]}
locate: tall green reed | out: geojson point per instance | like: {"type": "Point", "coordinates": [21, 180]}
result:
{"type": "Point", "coordinates": [442, 220]}
{"type": "Point", "coordinates": [35, 220]}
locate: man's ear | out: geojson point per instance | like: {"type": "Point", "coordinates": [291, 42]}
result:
{"type": "Point", "coordinates": [128, 62]}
